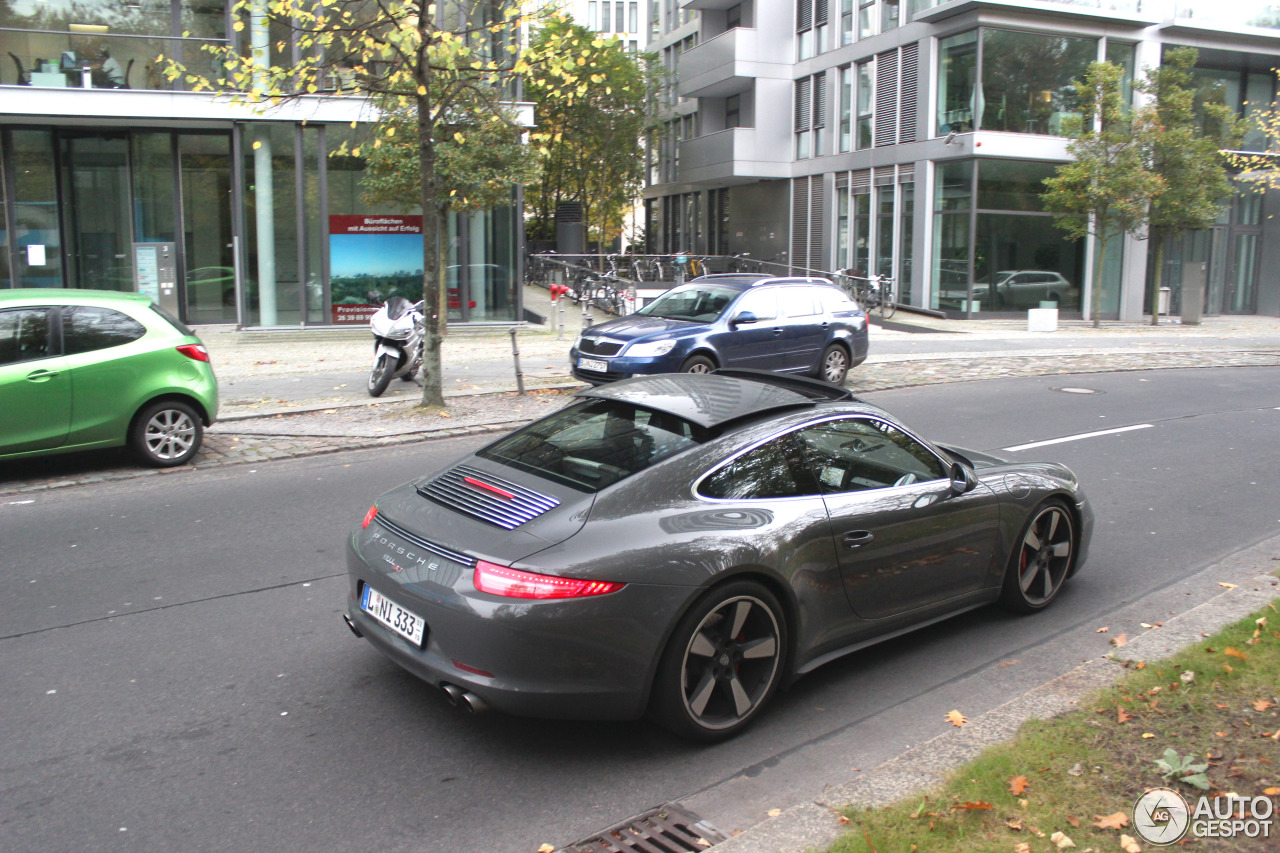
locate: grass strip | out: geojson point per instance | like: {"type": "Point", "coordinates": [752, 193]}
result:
{"type": "Point", "coordinates": [1070, 783]}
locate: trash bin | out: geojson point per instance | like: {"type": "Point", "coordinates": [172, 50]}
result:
{"type": "Point", "coordinates": [1166, 296]}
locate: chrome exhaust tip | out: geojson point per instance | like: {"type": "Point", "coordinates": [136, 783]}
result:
{"type": "Point", "coordinates": [351, 625]}
{"type": "Point", "coordinates": [453, 693]}
{"type": "Point", "coordinates": [474, 703]}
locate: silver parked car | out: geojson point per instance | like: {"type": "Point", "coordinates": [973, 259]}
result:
{"type": "Point", "coordinates": [683, 544]}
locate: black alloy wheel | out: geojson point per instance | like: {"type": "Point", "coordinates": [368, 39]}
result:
{"type": "Point", "coordinates": [1042, 560]}
{"type": "Point", "coordinates": [722, 664]}
{"type": "Point", "coordinates": [834, 366]}
{"type": "Point", "coordinates": [166, 434]}
{"type": "Point", "coordinates": [697, 364]}
{"type": "Point", "coordinates": [380, 376]}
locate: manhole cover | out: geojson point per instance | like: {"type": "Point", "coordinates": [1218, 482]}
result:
{"type": "Point", "coordinates": [666, 829]}
{"type": "Point", "coordinates": [1076, 390]}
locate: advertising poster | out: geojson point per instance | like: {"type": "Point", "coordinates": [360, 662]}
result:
{"type": "Point", "coordinates": [378, 253]}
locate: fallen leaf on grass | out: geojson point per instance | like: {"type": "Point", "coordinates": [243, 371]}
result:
{"type": "Point", "coordinates": [1271, 792]}
{"type": "Point", "coordinates": [1187, 677]}
{"type": "Point", "coordinates": [1022, 847]}
{"type": "Point", "coordinates": [1076, 770]}
{"type": "Point", "coordinates": [1263, 704]}
{"type": "Point", "coordinates": [1014, 823]}
{"type": "Point", "coordinates": [1018, 785]}
{"type": "Point", "coordinates": [978, 805]}
{"type": "Point", "coordinates": [1129, 845]}
{"type": "Point", "coordinates": [1119, 820]}
{"type": "Point", "coordinates": [1061, 841]}
{"type": "Point", "coordinates": [1123, 716]}
{"type": "Point", "coordinates": [1147, 735]}
{"type": "Point", "coordinates": [1073, 820]}
{"type": "Point", "coordinates": [956, 719]}
{"type": "Point", "coordinates": [1231, 651]}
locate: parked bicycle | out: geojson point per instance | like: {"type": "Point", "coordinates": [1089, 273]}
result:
{"type": "Point", "coordinates": [875, 294]}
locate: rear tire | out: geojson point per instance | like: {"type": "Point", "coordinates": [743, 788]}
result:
{"type": "Point", "coordinates": [166, 434]}
{"type": "Point", "coordinates": [697, 364]}
{"type": "Point", "coordinates": [380, 376]}
{"type": "Point", "coordinates": [833, 367]}
{"type": "Point", "coordinates": [722, 664]}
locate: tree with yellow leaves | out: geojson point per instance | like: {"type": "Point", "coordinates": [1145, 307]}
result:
{"type": "Point", "coordinates": [439, 72]}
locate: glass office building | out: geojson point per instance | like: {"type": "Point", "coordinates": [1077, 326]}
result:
{"type": "Point", "coordinates": [101, 153]}
{"type": "Point", "coordinates": [911, 138]}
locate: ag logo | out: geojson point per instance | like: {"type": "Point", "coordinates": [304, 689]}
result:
{"type": "Point", "coordinates": [1161, 816]}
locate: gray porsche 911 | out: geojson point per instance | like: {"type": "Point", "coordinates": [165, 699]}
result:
{"type": "Point", "coordinates": [683, 544]}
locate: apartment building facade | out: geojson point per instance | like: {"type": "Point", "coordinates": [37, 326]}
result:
{"type": "Point", "coordinates": [909, 138]}
{"type": "Point", "coordinates": [108, 168]}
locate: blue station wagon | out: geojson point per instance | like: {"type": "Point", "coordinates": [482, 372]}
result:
{"type": "Point", "coordinates": [787, 325]}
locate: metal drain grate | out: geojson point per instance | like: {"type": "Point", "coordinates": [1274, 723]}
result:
{"type": "Point", "coordinates": [666, 829]}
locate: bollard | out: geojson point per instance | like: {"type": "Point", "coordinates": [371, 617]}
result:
{"type": "Point", "coordinates": [515, 354]}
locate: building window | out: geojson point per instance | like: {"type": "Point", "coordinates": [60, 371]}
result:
{"type": "Point", "coordinates": [1027, 81]}
{"type": "Point", "coordinates": [846, 108]}
{"type": "Point", "coordinates": [811, 27]}
{"type": "Point", "coordinates": [866, 18]}
{"type": "Point", "coordinates": [866, 104]}
{"type": "Point", "coordinates": [846, 21]}
{"type": "Point", "coordinates": [889, 15]}
{"type": "Point", "coordinates": [810, 115]}
{"type": "Point", "coordinates": [994, 247]}
{"type": "Point", "coordinates": [733, 111]}
{"type": "Point", "coordinates": [633, 17]}
{"type": "Point", "coordinates": [593, 16]}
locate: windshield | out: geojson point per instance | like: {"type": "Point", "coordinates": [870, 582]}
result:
{"type": "Point", "coordinates": [696, 303]}
{"type": "Point", "coordinates": [595, 444]}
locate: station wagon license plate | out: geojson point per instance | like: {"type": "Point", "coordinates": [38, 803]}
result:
{"type": "Point", "coordinates": [407, 624]}
{"type": "Point", "coordinates": [593, 364]}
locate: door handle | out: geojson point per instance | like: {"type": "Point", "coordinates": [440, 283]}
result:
{"type": "Point", "coordinates": [857, 538]}
{"type": "Point", "coordinates": [777, 331]}
{"type": "Point", "coordinates": [41, 375]}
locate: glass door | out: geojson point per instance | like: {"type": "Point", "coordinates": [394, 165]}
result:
{"type": "Point", "coordinates": [96, 210]}
{"type": "Point", "coordinates": [1243, 276]}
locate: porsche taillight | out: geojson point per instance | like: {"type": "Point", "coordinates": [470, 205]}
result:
{"type": "Point", "coordinates": [513, 583]}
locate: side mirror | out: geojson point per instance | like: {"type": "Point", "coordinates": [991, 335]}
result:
{"type": "Point", "coordinates": [962, 479]}
{"type": "Point", "coordinates": [745, 318]}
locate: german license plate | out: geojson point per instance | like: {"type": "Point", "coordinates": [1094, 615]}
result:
{"type": "Point", "coordinates": [593, 364]}
{"type": "Point", "coordinates": [407, 624]}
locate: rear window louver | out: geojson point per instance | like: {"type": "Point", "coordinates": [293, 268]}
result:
{"type": "Point", "coordinates": [486, 497]}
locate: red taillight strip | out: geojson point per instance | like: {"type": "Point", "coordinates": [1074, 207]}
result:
{"type": "Point", "coordinates": [196, 352]}
{"type": "Point", "coordinates": [471, 481]}
{"type": "Point", "coordinates": [369, 516]}
{"type": "Point", "coordinates": [513, 583]}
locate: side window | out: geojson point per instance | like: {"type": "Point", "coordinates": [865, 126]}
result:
{"type": "Point", "coordinates": [762, 303]}
{"type": "Point", "coordinates": [867, 453]}
{"type": "Point", "coordinates": [85, 329]}
{"type": "Point", "coordinates": [800, 302]}
{"type": "Point", "coordinates": [836, 301]}
{"type": "Point", "coordinates": [773, 470]}
{"type": "Point", "coordinates": [24, 335]}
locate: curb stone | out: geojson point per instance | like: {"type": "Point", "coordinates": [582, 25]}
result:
{"type": "Point", "coordinates": [816, 825]}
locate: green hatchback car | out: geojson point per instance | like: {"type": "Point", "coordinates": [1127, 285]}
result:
{"type": "Point", "coordinates": [85, 369]}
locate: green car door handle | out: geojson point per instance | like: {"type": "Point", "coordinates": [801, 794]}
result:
{"type": "Point", "coordinates": [41, 375]}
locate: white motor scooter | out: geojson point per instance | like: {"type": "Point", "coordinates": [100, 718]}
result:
{"type": "Point", "coordinates": [397, 328]}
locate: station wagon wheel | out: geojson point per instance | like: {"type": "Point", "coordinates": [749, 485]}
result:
{"type": "Point", "coordinates": [834, 366]}
{"type": "Point", "coordinates": [167, 433]}
{"type": "Point", "coordinates": [722, 664]}
{"type": "Point", "coordinates": [697, 364]}
{"type": "Point", "coordinates": [1042, 559]}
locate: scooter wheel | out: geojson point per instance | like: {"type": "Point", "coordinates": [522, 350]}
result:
{"type": "Point", "coordinates": [380, 376]}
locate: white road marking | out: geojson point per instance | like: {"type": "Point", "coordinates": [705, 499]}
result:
{"type": "Point", "coordinates": [1076, 437]}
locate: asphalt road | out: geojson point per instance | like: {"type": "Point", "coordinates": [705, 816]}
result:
{"type": "Point", "coordinates": [178, 677]}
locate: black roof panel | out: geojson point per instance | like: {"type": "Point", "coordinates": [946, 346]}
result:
{"type": "Point", "coordinates": [706, 399]}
